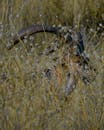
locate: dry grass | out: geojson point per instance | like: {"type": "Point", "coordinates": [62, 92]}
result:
{"type": "Point", "coordinates": [28, 101]}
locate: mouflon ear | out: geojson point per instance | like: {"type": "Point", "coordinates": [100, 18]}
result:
{"type": "Point", "coordinates": [80, 45]}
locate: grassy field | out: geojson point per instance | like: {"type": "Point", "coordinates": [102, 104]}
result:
{"type": "Point", "coordinates": [28, 101]}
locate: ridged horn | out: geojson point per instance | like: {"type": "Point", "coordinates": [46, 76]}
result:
{"type": "Point", "coordinates": [46, 28]}
{"type": "Point", "coordinates": [32, 30]}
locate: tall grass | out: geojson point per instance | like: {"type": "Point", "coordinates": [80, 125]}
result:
{"type": "Point", "coordinates": [28, 101]}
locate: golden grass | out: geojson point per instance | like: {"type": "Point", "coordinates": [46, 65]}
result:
{"type": "Point", "coordinates": [28, 101]}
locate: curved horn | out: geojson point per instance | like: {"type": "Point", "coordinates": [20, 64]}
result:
{"type": "Point", "coordinates": [32, 30]}
{"type": "Point", "coordinates": [50, 29]}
